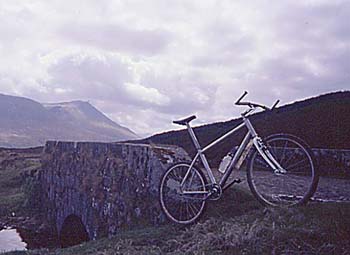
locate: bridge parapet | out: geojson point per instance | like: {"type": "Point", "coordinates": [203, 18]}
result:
{"type": "Point", "coordinates": [108, 185]}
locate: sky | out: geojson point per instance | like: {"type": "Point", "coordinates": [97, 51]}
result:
{"type": "Point", "coordinates": [146, 63]}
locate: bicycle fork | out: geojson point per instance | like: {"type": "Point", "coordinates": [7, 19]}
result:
{"type": "Point", "coordinates": [262, 148]}
{"type": "Point", "coordinates": [267, 156]}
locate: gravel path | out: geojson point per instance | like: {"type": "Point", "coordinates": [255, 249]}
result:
{"type": "Point", "coordinates": [328, 190]}
{"type": "Point", "coordinates": [333, 189]}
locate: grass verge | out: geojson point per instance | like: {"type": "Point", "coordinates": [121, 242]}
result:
{"type": "Point", "coordinates": [236, 224]}
{"type": "Point", "coordinates": [14, 165]}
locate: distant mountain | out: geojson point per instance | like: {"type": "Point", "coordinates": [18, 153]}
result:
{"type": "Point", "coordinates": [323, 121]}
{"type": "Point", "coordinates": [25, 123]}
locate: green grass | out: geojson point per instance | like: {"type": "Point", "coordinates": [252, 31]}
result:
{"type": "Point", "coordinates": [236, 224]}
{"type": "Point", "coordinates": [13, 165]}
{"type": "Point", "coordinates": [11, 202]}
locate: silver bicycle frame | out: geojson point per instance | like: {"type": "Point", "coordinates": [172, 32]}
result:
{"type": "Point", "coordinates": [251, 135]}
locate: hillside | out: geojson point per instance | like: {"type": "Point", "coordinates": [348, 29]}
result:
{"type": "Point", "coordinates": [323, 121]}
{"type": "Point", "coordinates": [27, 123]}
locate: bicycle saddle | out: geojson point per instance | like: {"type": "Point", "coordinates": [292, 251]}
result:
{"type": "Point", "coordinates": [184, 121]}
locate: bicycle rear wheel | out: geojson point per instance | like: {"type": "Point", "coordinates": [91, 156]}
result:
{"type": "Point", "coordinates": [181, 207]}
{"type": "Point", "coordinates": [294, 187]}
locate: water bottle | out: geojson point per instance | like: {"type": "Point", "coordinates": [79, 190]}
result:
{"type": "Point", "coordinates": [225, 162]}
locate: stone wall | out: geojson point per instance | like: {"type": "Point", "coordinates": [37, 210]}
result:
{"type": "Point", "coordinates": [109, 186]}
{"type": "Point", "coordinates": [333, 162]}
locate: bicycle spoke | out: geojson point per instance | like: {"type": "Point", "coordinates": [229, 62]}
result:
{"type": "Point", "coordinates": [187, 210]}
{"type": "Point", "coordinates": [182, 208]}
{"type": "Point", "coordinates": [193, 211]}
{"type": "Point", "coordinates": [296, 164]}
{"type": "Point", "coordinates": [176, 209]}
{"type": "Point", "coordinates": [283, 153]}
{"type": "Point", "coordinates": [181, 211]}
{"type": "Point", "coordinates": [193, 207]}
{"type": "Point", "coordinates": [274, 150]}
{"type": "Point", "coordinates": [178, 175]}
{"type": "Point", "coordinates": [175, 176]}
{"type": "Point", "coordinates": [292, 187]}
{"type": "Point", "coordinates": [287, 162]}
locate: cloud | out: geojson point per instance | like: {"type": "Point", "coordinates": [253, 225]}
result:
{"type": "Point", "coordinates": [154, 62]}
{"type": "Point", "coordinates": [150, 95]}
{"type": "Point", "coordinates": [100, 77]}
{"type": "Point", "coordinates": [118, 38]}
{"type": "Point", "coordinates": [88, 76]}
{"type": "Point", "coordinates": [187, 92]}
{"type": "Point", "coordinates": [225, 44]}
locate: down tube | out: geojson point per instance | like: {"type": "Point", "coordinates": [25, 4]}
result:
{"type": "Point", "coordinates": [235, 158]}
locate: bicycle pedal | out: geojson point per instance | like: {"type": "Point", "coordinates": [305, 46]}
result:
{"type": "Point", "coordinates": [232, 182]}
{"type": "Point", "coordinates": [237, 180]}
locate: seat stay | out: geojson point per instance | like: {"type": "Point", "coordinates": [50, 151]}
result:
{"type": "Point", "coordinates": [189, 170]}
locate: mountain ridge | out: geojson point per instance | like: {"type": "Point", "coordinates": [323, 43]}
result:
{"type": "Point", "coordinates": [28, 123]}
{"type": "Point", "coordinates": [322, 121]}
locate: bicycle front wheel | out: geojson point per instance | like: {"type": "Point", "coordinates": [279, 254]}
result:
{"type": "Point", "coordinates": [293, 187]}
{"type": "Point", "coordinates": [182, 204]}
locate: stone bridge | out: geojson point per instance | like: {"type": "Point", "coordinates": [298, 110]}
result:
{"type": "Point", "coordinates": [95, 189]}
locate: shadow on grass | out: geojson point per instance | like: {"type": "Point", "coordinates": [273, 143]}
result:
{"type": "Point", "coordinates": [234, 202]}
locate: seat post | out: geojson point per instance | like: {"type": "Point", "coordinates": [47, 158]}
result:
{"type": "Point", "coordinates": [193, 136]}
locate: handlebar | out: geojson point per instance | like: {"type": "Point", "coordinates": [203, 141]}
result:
{"type": "Point", "coordinates": [275, 104]}
{"type": "Point", "coordinates": [241, 97]}
{"type": "Point", "coordinates": [254, 105]}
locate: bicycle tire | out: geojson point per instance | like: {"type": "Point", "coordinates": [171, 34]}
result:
{"type": "Point", "coordinates": [296, 186]}
{"type": "Point", "coordinates": [180, 208]}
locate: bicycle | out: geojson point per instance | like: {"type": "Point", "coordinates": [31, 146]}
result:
{"type": "Point", "coordinates": [280, 172]}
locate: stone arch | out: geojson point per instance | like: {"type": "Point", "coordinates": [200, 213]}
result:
{"type": "Point", "coordinates": [73, 231]}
